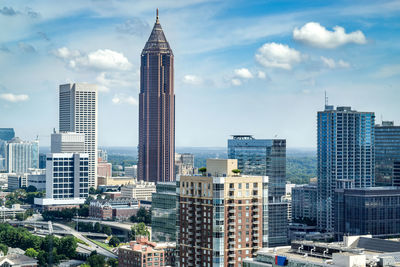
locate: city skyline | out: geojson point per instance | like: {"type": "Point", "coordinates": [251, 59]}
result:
{"type": "Point", "coordinates": [277, 63]}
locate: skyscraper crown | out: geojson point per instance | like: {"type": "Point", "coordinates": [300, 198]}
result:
{"type": "Point", "coordinates": [157, 41]}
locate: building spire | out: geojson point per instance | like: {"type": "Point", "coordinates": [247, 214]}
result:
{"type": "Point", "coordinates": [157, 16]}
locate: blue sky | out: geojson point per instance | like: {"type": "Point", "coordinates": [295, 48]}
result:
{"type": "Point", "coordinates": [241, 67]}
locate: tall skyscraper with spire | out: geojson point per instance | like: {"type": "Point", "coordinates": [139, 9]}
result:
{"type": "Point", "coordinates": [156, 109]}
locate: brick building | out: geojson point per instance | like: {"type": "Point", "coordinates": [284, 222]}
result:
{"type": "Point", "coordinates": [223, 217]}
{"type": "Point", "coordinates": [119, 209]}
{"type": "Point", "coordinates": [142, 252]}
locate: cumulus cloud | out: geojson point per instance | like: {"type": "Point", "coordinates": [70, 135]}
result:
{"type": "Point", "coordinates": [134, 26]}
{"type": "Point", "coordinates": [8, 11]}
{"type": "Point", "coordinates": [13, 97]}
{"type": "Point", "coordinates": [261, 74]}
{"type": "Point", "coordinates": [236, 82]}
{"type": "Point", "coordinates": [26, 48]}
{"type": "Point", "coordinates": [101, 59]}
{"type": "Point", "coordinates": [192, 79]}
{"type": "Point", "coordinates": [243, 73]}
{"type": "Point", "coordinates": [314, 34]}
{"type": "Point", "coordinates": [124, 99]}
{"type": "Point", "coordinates": [332, 64]}
{"type": "Point", "coordinates": [275, 55]}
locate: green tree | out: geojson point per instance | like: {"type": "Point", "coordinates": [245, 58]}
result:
{"type": "Point", "coordinates": [203, 170]}
{"type": "Point", "coordinates": [31, 188]}
{"type": "Point", "coordinates": [140, 229]}
{"type": "Point", "coordinates": [20, 216]}
{"type": "Point", "coordinates": [96, 260]}
{"type": "Point", "coordinates": [112, 262]}
{"type": "Point", "coordinates": [67, 246]}
{"type": "Point", "coordinates": [88, 200]}
{"type": "Point", "coordinates": [31, 252]}
{"type": "Point", "coordinates": [236, 171]}
{"type": "Point", "coordinates": [4, 248]}
{"type": "Point", "coordinates": [97, 227]}
{"type": "Point", "coordinates": [114, 241]}
{"type": "Point", "coordinates": [107, 230]}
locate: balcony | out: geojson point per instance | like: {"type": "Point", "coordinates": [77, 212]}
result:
{"type": "Point", "coordinates": [231, 229]}
{"type": "Point", "coordinates": [255, 241]}
{"type": "Point", "coordinates": [232, 217]}
{"type": "Point", "coordinates": [232, 242]}
{"type": "Point", "coordinates": [231, 261]}
{"type": "Point", "coordinates": [256, 235]}
{"type": "Point", "coordinates": [256, 216]}
{"type": "Point", "coordinates": [232, 236]}
{"type": "Point", "coordinates": [231, 210]}
{"type": "Point", "coordinates": [231, 223]}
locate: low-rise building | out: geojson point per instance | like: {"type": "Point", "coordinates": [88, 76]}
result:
{"type": "Point", "coordinates": [104, 169]}
{"type": "Point", "coordinates": [353, 251]}
{"type": "Point", "coordinates": [114, 181]}
{"type": "Point", "coordinates": [10, 212]}
{"type": "Point", "coordinates": [139, 190]}
{"type": "Point", "coordinates": [119, 209]}
{"type": "Point", "coordinates": [142, 252]}
{"type": "Point", "coordinates": [16, 181]}
{"type": "Point", "coordinates": [16, 260]}
{"type": "Point", "coordinates": [37, 178]}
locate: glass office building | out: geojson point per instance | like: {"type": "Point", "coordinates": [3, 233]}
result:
{"type": "Point", "coordinates": [7, 134]}
{"type": "Point", "coordinates": [22, 155]}
{"type": "Point", "coordinates": [346, 157]}
{"type": "Point", "coordinates": [265, 157]}
{"type": "Point", "coordinates": [387, 152]}
{"type": "Point", "coordinates": [361, 211]}
{"type": "Point", "coordinates": [163, 212]}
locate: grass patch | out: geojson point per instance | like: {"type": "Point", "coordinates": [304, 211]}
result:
{"type": "Point", "coordinates": [81, 241]}
{"type": "Point", "coordinates": [101, 244]}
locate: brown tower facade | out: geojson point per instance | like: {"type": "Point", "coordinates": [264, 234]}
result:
{"type": "Point", "coordinates": [156, 109]}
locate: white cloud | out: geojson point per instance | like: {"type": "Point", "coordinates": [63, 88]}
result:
{"type": "Point", "coordinates": [278, 56]}
{"type": "Point", "coordinates": [192, 79]}
{"type": "Point", "coordinates": [14, 98]}
{"type": "Point", "coordinates": [332, 64]}
{"type": "Point", "coordinates": [124, 99]}
{"type": "Point", "coordinates": [101, 59]}
{"type": "Point", "coordinates": [243, 73]}
{"type": "Point", "coordinates": [236, 82]}
{"type": "Point", "coordinates": [261, 74]}
{"type": "Point", "coordinates": [314, 34]}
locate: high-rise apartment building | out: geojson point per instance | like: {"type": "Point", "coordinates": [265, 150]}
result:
{"type": "Point", "coordinates": [222, 217]}
{"type": "Point", "coordinates": [156, 109]}
{"type": "Point", "coordinates": [387, 152]}
{"type": "Point", "coordinates": [163, 212]}
{"type": "Point", "coordinates": [346, 157]}
{"type": "Point", "coordinates": [266, 157]}
{"type": "Point", "coordinates": [22, 155]}
{"type": "Point", "coordinates": [6, 134]}
{"type": "Point", "coordinates": [67, 142]}
{"type": "Point", "coordinates": [131, 171]}
{"type": "Point", "coordinates": [304, 199]}
{"type": "Point", "coordinates": [78, 113]}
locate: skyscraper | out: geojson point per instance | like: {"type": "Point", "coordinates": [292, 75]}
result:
{"type": "Point", "coordinates": [156, 109]}
{"type": "Point", "coordinates": [67, 142]}
{"type": "Point", "coordinates": [22, 155]}
{"type": "Point", "coordinates": [345, 157]}
{"type": "Point", "coordinates": [78, 113]}
{"type": "Point", "coordinates": [266, 157]}
{"type": "Point", "coordinates": [7, 134]}
{"type": "Point", "coordinates": [387, 152]}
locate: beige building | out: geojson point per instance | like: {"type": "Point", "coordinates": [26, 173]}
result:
{"type": "Point", "coordinates": [223, 216]}
{"type": "Point", "coordinates": [121, 180]}
{"type": "Point", "coordinates": [139, 190]}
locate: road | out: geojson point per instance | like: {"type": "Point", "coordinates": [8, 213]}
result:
{"type": "Point", "coordinates": [93, 246]}
{"type": "Point", "coordinates": [122, 226]}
